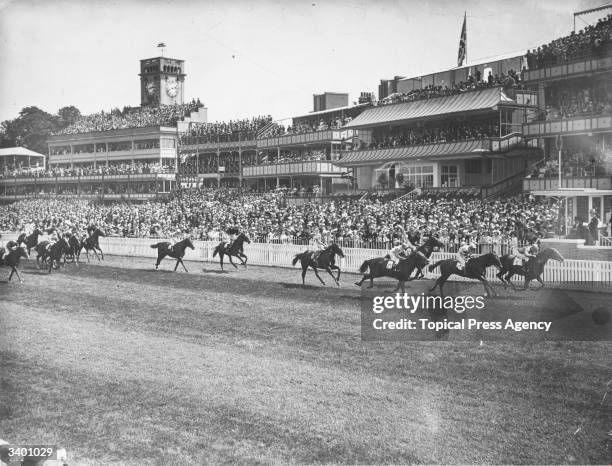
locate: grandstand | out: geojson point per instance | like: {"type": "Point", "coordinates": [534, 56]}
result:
{"type": "Point", "coordinates": [490, 129]}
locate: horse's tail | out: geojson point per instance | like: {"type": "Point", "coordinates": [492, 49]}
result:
{"type": "Point", "coordinates": [364, 266]}
{"type": "Point", "coordinates": [433, 266]}
{"type": "Point", "coordinates": [216, 251]}
{"type": "Point", "coordinates": [155, 246]}
{"type": "Point", "coordinates": [296, 259]}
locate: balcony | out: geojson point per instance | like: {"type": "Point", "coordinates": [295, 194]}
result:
{"type": "Point", "coordinates": [317, 137]}
{"type": "Point", "coordinates": [49, 180]}
{"type": "Point", "coordinates": [567, 126]}
{"type": "Point", "coordinates": [292, 168]}
{"type": "Point", "coordinates": [580, 67]}
{"type": "Point", "coordinates": [572, 182]}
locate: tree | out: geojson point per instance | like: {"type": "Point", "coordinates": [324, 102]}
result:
{"type": "Point", "coordinates": [383, 179]}
{"type": "Point", "coordinates": [68, 115]}
{"type": "Point", "coordinates": [33, 126]}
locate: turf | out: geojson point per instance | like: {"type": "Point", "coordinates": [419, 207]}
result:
{"type": "Point", "coordinates": [123, 365]}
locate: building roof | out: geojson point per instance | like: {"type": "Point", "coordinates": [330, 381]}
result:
{"type": "Point", "coordinates": [10, 151]}
{"type": "Point", "coordinates": [399, 154]}
{"type": "Point", "coordinates": [470, 101]}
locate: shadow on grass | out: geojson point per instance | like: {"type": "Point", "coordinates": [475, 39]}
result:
{"type": "Point", "coordinates": [299, 286]}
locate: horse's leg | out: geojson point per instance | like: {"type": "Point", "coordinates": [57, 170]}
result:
{"type": "Point", "coordinates": [332, 275]}
{"type": "Point", "coordinates": [336, 267]}
{"type": "Point", "coordinates": [317, 274]}
{"type": "Point", "coordinates": [181, 259]}
{"type": "Point", "coordinates": [160, 256]}
{"type": "Point", "coordinates": [16, 272]}
{"type": "Point", "coordinates": [87, 254]}
{"type": "Point", "coordinates": [11, 274]}
{"type": "Point", "coordinates": [244, 261]}
{"type": "Point", "coordinates": [500, 275]}
{"type": "Point", "coordinates": [539, 279]}
{"type": "Point", "coordinates": [229, 256]}
{"type": "Point", "coordinates": [101, 252]}
{"type": "Point", "coordinates": [94, 251]}
{"type": "Point", "coordinates": [304, 269]}
{"type": "Point", "coordinates": [487, 286]}
{"type": "Point", "coordinates": [176, 265]}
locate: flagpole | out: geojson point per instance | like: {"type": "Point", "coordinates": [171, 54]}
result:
{"type": "Point", "coordinates": [465, 22]}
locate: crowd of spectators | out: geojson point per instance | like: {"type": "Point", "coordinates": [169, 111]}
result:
{"type": "Point", "coordinates": [207, 213]}
{"type": "Point", "coordinates": [233, 130]}
{"type": "Point", "coordinates": [590, 41]}
{"type": "Point", "coordinates": [585, 99]}
{"type": "Point", "coordinates": [452, 132]}
{"type": "Point", "coordinates": [131, 117]}
{"type": "Point", "coordinates": [474, 82]}
{"type": "Point", "coordinates": [115, 169]}
{"type": "Point", "coordinates": [300, 127]}
{"type": "Point", "coordinates": [573, 164]}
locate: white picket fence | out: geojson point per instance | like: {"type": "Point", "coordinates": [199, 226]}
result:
{"type": "Point", "coordinates": [567, 274]}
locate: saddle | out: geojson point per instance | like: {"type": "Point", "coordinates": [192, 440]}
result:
{"type": "Point", "coordinates": [315, 255]}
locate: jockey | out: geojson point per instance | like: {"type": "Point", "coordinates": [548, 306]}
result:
{"type": "Point", "coordinates": [401, 251]}
{"type": "Point", "coordinates": [527, 253]}
{"type": "Point", "coordinates": [233, 233]}
{"type": "Point", "coordinates": [464, 253]}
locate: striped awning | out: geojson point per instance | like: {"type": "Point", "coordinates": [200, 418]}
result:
{"type": "Point", "coordinates": [376, 156]}
{"type": "Point", "coordinates": [470, 101]}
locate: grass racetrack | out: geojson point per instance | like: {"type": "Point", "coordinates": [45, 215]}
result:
{"type": "Point", "coordinates": [118, 363]}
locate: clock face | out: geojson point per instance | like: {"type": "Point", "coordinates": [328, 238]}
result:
{"type": "Point", "coordinates": [172, 87]}
{"type": "Point", "coordinates": [151, 88]}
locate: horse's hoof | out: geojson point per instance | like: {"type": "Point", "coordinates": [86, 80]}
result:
{"type": "Point", "coordinates": [358, 284]}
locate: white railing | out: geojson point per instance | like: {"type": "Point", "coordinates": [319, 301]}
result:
{"type": "Point", "coordinates": [582, 273]}
{"type": "Point", "coordinates": [563, 274]}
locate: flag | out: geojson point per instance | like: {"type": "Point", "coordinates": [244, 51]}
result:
{"type": "Point", "coordinates": [462, 55]}
{"type": "Point", "coordinates": [161, 44]}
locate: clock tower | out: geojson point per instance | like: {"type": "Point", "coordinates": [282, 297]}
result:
{"type": "Point", "coordinates": [162, 81]}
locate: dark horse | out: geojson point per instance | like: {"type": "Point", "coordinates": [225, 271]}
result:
{"type": "Point", "coordinates": [325, 259]}
{"type": "Point", "coordinates": [52, 253]}
{"type": "Point", "coordinates": [475, 268]}
{"type": "Point", "coordinates": [235, 249]}
{"type": "Point", "coordinates": [12, 260]}
{"type": "Point", "coordinates": [91, 243]}
{"type": "Point", "coordinates": [31, 240]}
{"type": "Point", "coordinates": [532, 271]}
{"type": "Point", "coordinates": [427, 248]}
{"type": "Point", "coordinates": [177, 251]}
{"type": "Point", "coordinates": [379, 267]}
{"type": "Point", "coordinates": [74, 248]}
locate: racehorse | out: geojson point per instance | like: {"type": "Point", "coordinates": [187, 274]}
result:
{"type": "Point", "coordinates": [325, 259]}
{"type": "Point", "coordinates": [177, 251]}
{"type": "Point", "coordinates": [475, 268]}
{"type": "Point", "coordinates": [533, 269]}
{"type": "Point", "coordinates": [401, 271]}
{"type": "Point", "coordinates": [31, 240]}
{"type": "Point", "coordinates": [91, 243]}
{"type": "Point", "coordinates": [53, 253]}
{"type": "Point", "coordinates": [234, 250]}
{"type": "Point", "coordinates": [427, 249]}
{"type": "Point", "coordinates": [74, 246]}
{"type": "Point", "coordinates": [12, 260]}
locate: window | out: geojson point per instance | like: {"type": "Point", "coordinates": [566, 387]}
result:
{"type": "Point", "coordinates": [418, 176]}
{"type": "Point", "coordinates": [450, 176]}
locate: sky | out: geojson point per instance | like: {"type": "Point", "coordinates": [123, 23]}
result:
{"type": "Point", "coordinates": [257, 57]}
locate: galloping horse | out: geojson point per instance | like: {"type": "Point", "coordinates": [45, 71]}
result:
{"type": "Point", "coordinates": [475, 268]}
{"type": "Point", "coordinates": [325, 259]}
{"type": "Point", "coordinates": [31, 240]}
{"type": "Point", "coordinates": [177, 251]}
{"type": "Point", "coordinates": [55, 252]}
{"type": "Point", "coordinates": [533, 269]}
{"type": "Point", "coordinates": [12, 260]}
{"type": "Point", "coordinates": [427, 249]}
{"type": "Point", "coordinates": [92, 244]}
{"type": "Point", "coordinates": [234, 250]}
{"type": "Point", "coordinates": [401, 271]}
{"type": "Point", "coordinates": [74, 246]}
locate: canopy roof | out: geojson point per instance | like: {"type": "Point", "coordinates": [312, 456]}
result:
{"type": "Point", "coordinates": [376, 156]}
{"type": "Point", "coordinates": [486, 99]}
{"type": "Point", "coordinates": [10, 151]}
